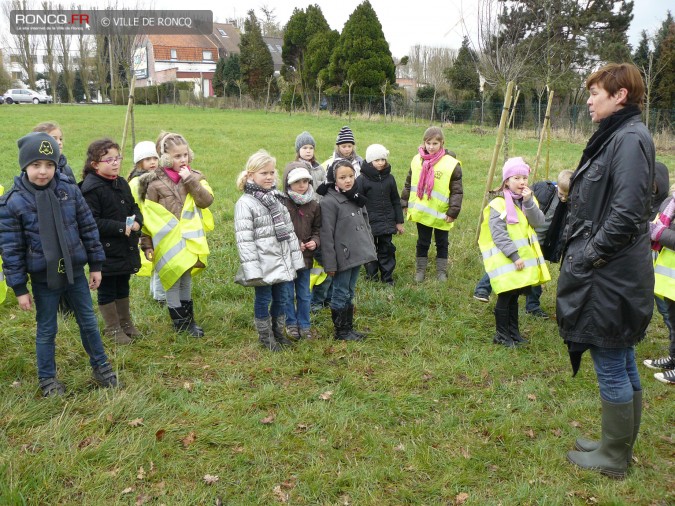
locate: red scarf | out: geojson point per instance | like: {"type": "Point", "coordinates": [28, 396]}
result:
{"type": "Point", "coordinates": [173, 175]}
{"type": "Point", "coordinates": [426, 182]}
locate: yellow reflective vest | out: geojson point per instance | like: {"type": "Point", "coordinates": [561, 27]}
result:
{"type": "Point", "coordinates": [146, 265]}
{"type": "Point", "coordinates": [316, 275]}
{"type": "Point", "coordinates": [502, 271]}
{"type": "Point", "coordinates": [3, 282]}
{"type": "Point", "coordinates": [664, 274]}
{"type": "Point", "coordinates": [431, 211]}
{"type": "Point", "coordinates": [178, 244]}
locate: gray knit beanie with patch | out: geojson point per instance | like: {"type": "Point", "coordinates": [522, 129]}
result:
{"type": "Point", "coordinates": [37, 146]}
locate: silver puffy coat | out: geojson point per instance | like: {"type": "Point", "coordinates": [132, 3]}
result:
{"type": "Point", "coordinates": [264, 260]}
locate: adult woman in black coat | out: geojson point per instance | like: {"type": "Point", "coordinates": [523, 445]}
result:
{"type": "Point", "coordinates": [606, 285]}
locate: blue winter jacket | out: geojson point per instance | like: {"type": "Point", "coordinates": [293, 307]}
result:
{"type": "Point", "coordinates": [20, 242]}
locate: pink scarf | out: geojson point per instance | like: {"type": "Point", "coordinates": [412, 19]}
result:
{"type": "Point", "coordinates": [426, 183]}
{"type": "Point", "coordinates": [511, 214]}
{"type": "Point", "coordinates": [665, 217]}
{"type": "Point", "coordinates": [173, 175]}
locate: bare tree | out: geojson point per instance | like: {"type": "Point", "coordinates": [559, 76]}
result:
{"type": "Point", "coordinates": [49, 42]}
{"type": "Point", "coordinates": [101, 64]}
{"type": "Point", "coordinates": [349, 100]}
{"type": "Point", "coordinates": [503, 56]}
{"type": "Point", "coordinates": [383, 89]}
{"type": "Point", "coordinates": [269, 25]}
{"type": "Point", "coordinates": [23, 46]}
{"type": "Point", "coordinates": [427, 63]}
{"type": "Point", "coordinates": [84, 46]}
{"type": "Point", "coordinates": [64, 41]}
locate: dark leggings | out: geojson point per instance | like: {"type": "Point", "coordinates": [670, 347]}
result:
{"type": "Point", "coordinates": [112, 288]}
{"type": "Point", "coordinates": [506, 299]}
{"type": "Point", "coordinates": [671, 318]}
{"type": "Point", "coordinates": [424, 234]}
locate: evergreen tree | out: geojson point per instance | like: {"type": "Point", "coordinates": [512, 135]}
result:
{"type": "Point", "coordinates": [463, 74]}
{"type": "Point", "coordinates": [362, 54]}
{"type": "Point", "coordinates": [255, 58]}
{"type": "Point", "coordinates": [665, 87]}
{"type": "Point", "coordinates": [303, 29]}
{"type": "Point", "coordinates": [218, 81]}
{"type": "Point", "coordinates": [569, 38]}
{"type": "Point", "coordinates": [662, 62]}
{"type": "Point", "coordinates": [231, 74]}
{"type": "Point", "coordinates": [641, 54]}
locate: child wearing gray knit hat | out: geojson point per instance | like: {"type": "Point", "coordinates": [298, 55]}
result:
{"type": "Point", "coordinates": [304, 152]}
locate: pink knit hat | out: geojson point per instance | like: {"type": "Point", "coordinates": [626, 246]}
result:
{"type": "Point", "coordinates": [515, 167]}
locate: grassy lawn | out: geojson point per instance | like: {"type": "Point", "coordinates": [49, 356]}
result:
{"type": "Point", "coordinates": [426, 411]}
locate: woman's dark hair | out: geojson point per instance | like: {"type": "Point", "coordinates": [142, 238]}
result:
{"type": "Point", "coordinates": [95, 152]}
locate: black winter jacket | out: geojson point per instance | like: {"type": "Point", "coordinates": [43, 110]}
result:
{"type": "Point", "coordinates": [606, 285]}
{"type": "Point", "coordinates": [384, 204]}
{"type": "Point", "coordinates": [111, 202]}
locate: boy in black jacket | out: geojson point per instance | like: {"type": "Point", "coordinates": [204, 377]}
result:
{"type": "Point", "coordinates": [385, 215]}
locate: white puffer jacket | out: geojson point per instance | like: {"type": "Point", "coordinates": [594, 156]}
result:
{"type": "Point", "coordinates": [264, 260]}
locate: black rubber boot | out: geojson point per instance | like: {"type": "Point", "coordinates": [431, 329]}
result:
{"type": "Point", "coordinates": [341, 324]}
{"type": "Point", "coordinates": [611, 457]}
{"type": "Point", "coordinates": [190, 306]}
{"type": "Point", "coordinates": [265, 335]}
{"type": "Point", "coordinates": [514, 331]}
{"type": "Point", "coordinates": [183, 323]}
{"type": "Point", "coordinates": [350, 319]}
{"type": "Point", "coordinates": [372, 271]}
{"type": "Point", "coordinates": [502, 335]}
{"type": "Point", "coordinates": [589, 445]}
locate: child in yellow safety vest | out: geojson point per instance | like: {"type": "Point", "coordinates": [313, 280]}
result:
{"type": "Point", "coordinates": [662, 231]}
{"type": "Point", "coordinates": [146, 160]}
{"type": "Point", "coordinates": [510, 249]}
{"type": "Point", "coordinates": [432, 198]}
{"type": "Point", "coordinates": [174, 199]}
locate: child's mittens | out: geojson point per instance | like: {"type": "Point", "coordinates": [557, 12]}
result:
{"type": "Point", "coordinates": [656, 228]}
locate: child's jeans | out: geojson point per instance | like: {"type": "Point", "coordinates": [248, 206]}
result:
{"type": "Point", "coordinates": [264, 295]}
{"type": "Point", "coordinates": [46, 306]}
{"type": "Point", "coordinates": [180, 291]}
{"type": "Point", "coordinates": [112, 288]}
{"type": "Point", "coordinates": [298, 290]}
{"type": "Point", "coordinates": [322, 293]}
{"type": "Point", "coordinates": [424, 241]}
{"type": "Point", "coordinates": [344, 284]}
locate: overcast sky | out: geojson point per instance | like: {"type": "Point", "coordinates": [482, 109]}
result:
{"type": "Point", "coordinates": [405, 22]}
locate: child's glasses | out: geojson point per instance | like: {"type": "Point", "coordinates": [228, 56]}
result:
{"type": "Point", "coordinates": [112, 160]}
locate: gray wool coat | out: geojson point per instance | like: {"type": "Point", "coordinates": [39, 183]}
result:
{"type": "Point", "coordinates": [346, 240]}
{"type": "Point", "coordinates": [264, 260]}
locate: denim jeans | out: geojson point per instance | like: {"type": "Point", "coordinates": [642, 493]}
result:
{"type": "Point", "coordinates": [322, 292]}
{"type": "Point", "coordinates": [264, 295]}
{"type": "Point", "coordinates": [298, 290]}
{"type": "Point", "coordinates": [46, 306]}
{"type": "Point", "coordinates": [344, 284]}
{"type": "Point", "coordinates": [617, 373]}
{"type": "Point", "coordinates": [662, 306]}
{"type": "Point", "coordinates": [484, 286]}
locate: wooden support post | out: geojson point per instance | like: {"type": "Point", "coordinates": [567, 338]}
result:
{"type": "Point", "coordinates": [130, 107]}
{"type": "Point", "coordinates": [495, 153]}
{"type": "Point", "coordinates": [544, 129]}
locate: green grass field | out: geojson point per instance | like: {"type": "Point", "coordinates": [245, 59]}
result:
{"type": "Point", "coordinates": [426, 411]}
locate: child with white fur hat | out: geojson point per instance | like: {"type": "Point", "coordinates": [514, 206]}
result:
{"type": "Point", "coordinates": [306, 217]}
{"type": "Point", "coordinates": [385, 215]}
{"type": "Point", "coordinates": [146, 160]}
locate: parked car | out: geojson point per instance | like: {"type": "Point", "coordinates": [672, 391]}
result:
{"type": "Point", "coordinates": [2, 99]}
{"type": "Point", "coordinates": [18, 96]}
